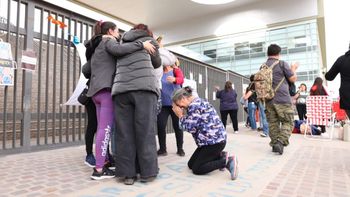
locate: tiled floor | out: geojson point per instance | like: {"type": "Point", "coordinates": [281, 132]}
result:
{"type": "Point", "coordinates": [307, 168]}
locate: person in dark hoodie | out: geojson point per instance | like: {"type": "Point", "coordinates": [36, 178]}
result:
{"type": "Point", "coordinates": [90, 107]}
{"type": "Point", "coordinates": [103, 61]}
{"type": "Point", "coordinates": [135, 92]}
{"type": "Point", "coordinates": [342, 66]}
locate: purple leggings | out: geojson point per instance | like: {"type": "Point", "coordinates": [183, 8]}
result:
{"type": "Point", "coordinates": [105, 118]}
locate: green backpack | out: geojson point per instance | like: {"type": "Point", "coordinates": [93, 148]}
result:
{"type": "Point", "coordinates": [263, 82]}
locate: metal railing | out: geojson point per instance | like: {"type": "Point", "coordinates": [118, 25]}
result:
{"type": "Point", "coordinates": [207, 77]}
{"type": "Point", "coordinates": [32, 111]}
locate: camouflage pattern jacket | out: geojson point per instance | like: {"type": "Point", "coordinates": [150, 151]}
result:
{"type": "Point", "coordinates": [203, 122]}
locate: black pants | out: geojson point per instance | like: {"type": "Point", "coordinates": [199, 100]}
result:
{"type": "Point", "coordinates": [301, 108]}
{"type": "Point", "coordinates": [161, 124]}
{"type": "Point", "coordinates": [91, 126]}
{"type": "Point", "coordinates": [135, 114]}
{"type": "Point", "coordinates": [247, 121]}
{"type": "Point", "coordinates": [207, 158]}
{"type": "Point", "coordinates": [233, 116]}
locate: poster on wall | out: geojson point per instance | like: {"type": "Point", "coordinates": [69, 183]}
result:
{"type": "Point", "coordinates": [6, 64]}
{"type": "Point", "coordinates": [5, 54]}
{"type": "Point", "coordinates": [6, 76]}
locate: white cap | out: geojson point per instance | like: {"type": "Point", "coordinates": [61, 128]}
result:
{"type": "Point", "coordinates": [168, 58]}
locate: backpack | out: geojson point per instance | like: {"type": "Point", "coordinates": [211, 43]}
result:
{"type": "Point", "coordinates": [263, 82]}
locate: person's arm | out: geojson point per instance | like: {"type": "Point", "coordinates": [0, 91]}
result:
{"type": "Point", "coordinates": [296, 95]}
{"type": "Point", "coordinates": [179, 76]}
{"type": "Point", "coordinates": [292, 77]}
{"type": "Point", "coordinates": [333, 72]}
{"type": "Point", "coordinates": [119, 50]}
{"type": "Point", "coordinates": [155, 56]}
{"type": "Point", "coordinates": [218, 94]}
{"type": "Point", "coordinates": [191, 121]}
{"type": "Point", "coordinates": [247, 95]}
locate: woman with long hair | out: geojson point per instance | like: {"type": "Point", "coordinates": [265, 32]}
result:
{"type": "Point", "coordinates": [228, 104]}
{"type": "Point", "coordinates": [317, 89]}
{"type": "Point", "coordinates": [103, 63]}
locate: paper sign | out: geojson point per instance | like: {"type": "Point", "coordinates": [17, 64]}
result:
{"type": "Point", "coordinates": [29, 60]}
{"type": "Point", "coordinates": [6, 55]}
{"type": "Point", "coordinates": [6, 63]}
{"type": "Point", "coordinates": [5, 51]}
{"type": "Point", "coordinates": [200, 79]}
{"type": "Point", "coordinates": [73, 100]}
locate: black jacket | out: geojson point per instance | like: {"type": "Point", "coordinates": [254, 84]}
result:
{"type": "Point", "coordinates": [103, 62]}
{"type": "Point", "coordinates": [135, 71]}
{"type": "Point", "coordinates": [342, 66]}
{"type": "Point", "coordinates": [91, 46]}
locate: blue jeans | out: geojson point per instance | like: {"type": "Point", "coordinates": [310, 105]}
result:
{"type": "Point", "coordinates": [251, 113]}
{"type": "Point", "coordinates": [262, 119]}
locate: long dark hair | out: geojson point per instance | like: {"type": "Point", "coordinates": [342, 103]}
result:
{"type": "Point", "coordinates": [103, 27]}
{"type": "Point", "coordinates": [228, 86]}
{"type": "Point", "coordinates": [317, 88]}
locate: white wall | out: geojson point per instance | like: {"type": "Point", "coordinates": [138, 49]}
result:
{"type": "Point", "coordinates": [337, 15]}
{"type": "Point", "coordinates": [251, 17]}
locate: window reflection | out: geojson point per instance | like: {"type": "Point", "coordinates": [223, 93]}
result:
{"type": "Point", "coordinates": [245, 53]}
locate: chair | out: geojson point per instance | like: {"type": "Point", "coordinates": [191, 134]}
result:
{"type": "Point", "coordinates": [319, 112]}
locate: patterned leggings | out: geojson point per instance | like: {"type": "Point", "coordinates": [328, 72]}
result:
{"type": "Point", "coordinates": [105, 118]}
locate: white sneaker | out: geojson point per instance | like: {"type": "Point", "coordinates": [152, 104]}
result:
{"type": "Point", "coordinates": [263, 134]}
{"type": "Point", "coordinates": [235, 132]}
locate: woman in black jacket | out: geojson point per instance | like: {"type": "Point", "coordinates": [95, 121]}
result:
{"type": "Point", "coordinates": [135, 92]}
{"type": "Point", "coordinates": [342, 66]}
{"type": "Point", "coordinates": [103, 63]}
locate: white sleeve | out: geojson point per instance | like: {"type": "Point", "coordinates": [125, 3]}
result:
{"type": "Point", "coordinates": [158, 72]}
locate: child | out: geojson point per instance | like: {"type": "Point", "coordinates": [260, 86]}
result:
{"type": "Point", "coordinates": [203, 122]}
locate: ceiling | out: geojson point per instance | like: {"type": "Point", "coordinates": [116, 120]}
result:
{"type": "Point", "coordinates": [159, 13]}
{"type": "Point", "coordinates": [183, 21]}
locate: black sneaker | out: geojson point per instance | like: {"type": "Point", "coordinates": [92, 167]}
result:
{"type": "Point", "coordinates": [180, 152]}
{"type": "Point", "coordinates": [278, 148]}
{"type": "Point", "coordinates": [162, 152]}
{"type": "Point", "coordinates": [90, 160]}
{"type": "Point", "coordinates": [105, 174]}
{"type": "Point", "coordinates": [274, 149]}
{"type": "Point", "coordinates": [147, 179]}
{"type": "Point", "coordinates": [129, 180]}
